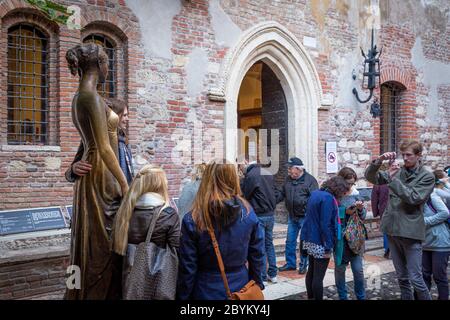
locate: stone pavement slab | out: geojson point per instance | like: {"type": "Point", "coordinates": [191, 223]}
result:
{"type": "Point", "coordinates": [290, 281]}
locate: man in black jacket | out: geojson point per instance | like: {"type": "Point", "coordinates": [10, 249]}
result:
{"type": "Point", "coordinates": [259, 189]}
{"type": "Point", "coordinates": [296, 191]}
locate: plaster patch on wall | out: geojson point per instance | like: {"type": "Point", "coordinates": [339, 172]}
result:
{"type": "Point", "coordinates": [196, 69]}
{"type": "Point", "coordinates": [345, 66]}
{"type": "Point", "coordinates": [155, 19]}
{"type": "Point", "coordinates": [319, 11]}
{"type": "Point", "coordinates": [225, 30]}
{"type": "Point", "coordinates": [434, 74]}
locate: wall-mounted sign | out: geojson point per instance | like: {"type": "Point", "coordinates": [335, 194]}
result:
{"type": "Point", "coordinates": [331, 157]}
{"type": "Point", "coordinates": [29, 220]}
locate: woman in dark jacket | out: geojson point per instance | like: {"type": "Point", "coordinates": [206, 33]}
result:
{"type": "Point", "coordinates": [218, 205]}
{"type": "Point", "coordinates": [148, 195]}
{"type": "Point", "coordinates": [319, 231]}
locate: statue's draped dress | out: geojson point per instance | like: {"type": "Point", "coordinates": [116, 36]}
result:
{"type": "Point", "coordinates": [96, 200]}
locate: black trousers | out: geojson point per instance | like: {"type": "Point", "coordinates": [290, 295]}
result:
{"type": "Point", "coordinates": [314, 277]}
{"type": "Point", "coordinates": [434, 265]}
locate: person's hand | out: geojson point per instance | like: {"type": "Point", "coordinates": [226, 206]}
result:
{"type": "Point", "coordinates": [391, 156]}
{"type": "Point", "coordinates": [393, 169]}
{"type": "Point", "coordinates": [359, 205]}
{"type": "Point", "coordinates": [81, 168]}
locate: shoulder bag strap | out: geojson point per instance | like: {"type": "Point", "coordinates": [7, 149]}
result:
{"type": "Point", "coordinates": [430, 205]}
{"type": "Point", "coordinates": [220, 261]}
{"type": "Point", "coordinates": [153, 223]}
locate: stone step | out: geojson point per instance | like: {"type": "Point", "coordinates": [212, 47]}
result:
{"type": "Point", "coordinates": [280, 231]}
{"type": "Point", "coordinates": [374, 244]}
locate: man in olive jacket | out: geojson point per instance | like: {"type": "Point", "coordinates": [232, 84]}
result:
{"type": "Point", "coordinates": [403, 220]}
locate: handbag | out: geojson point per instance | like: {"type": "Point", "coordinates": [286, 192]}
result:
{"type": "Point", "coordinates": [251, 291]}
{"type": "Point", "coordinates": [153, 275]}
{"type": "Point", "coordinates": [356, 234]}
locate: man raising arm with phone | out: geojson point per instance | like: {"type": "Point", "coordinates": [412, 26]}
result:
{"type": "Point", "coordinates": [403, 221]}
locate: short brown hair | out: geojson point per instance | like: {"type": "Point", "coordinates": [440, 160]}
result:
{"type": "Point", "coordinates": [116, 105]}
{"type": "Point", "coordinates": [415, 145]}
{"type": "Point", "coordinates": [439, 174]}
{"type": "Point", "coordinates": [348, 173]}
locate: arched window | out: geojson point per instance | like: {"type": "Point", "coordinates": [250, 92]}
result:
{"type": "Point", "coordinates": [390, 105]}
{"type": "Point", "coordinates": [108, 88]}
{"type": "Point", "coordinates": [27, 93]}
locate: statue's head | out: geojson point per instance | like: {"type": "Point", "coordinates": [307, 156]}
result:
{"type": "Point", "coordinates": [88, 57]}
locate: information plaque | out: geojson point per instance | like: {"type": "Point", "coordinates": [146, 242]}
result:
{"type": "Point", "coordinates": [29, 220]}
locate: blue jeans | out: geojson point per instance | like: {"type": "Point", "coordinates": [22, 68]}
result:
{"type": "Point", "coordinates": [294, 228]}
{"type": "Point", "coordinates": [356, 263]}
{"type": "Point", "coordinates": [268, 223]}
{"type": "Point", "coordinates": [385, 242]}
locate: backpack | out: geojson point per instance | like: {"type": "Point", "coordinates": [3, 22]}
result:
{"type": "Point", "coordinates": [355, 233]}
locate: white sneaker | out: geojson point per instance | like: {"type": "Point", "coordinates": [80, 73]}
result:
{"type": "Point", "coordinates": [273, 280]}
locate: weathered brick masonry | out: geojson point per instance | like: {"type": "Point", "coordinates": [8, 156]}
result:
{"type": "Point", "coordinates": [164, 97]}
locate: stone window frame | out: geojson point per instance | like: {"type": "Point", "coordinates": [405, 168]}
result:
{"type": "Point", "coordinates": [51, 32]}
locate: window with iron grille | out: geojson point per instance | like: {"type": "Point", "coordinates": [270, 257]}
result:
{"type": "Point", "coordinates": [108, 88]}
{"type": "Point", "coordinates": [27, 92]}
{"type": "Point", "coordinates": [390, 104]}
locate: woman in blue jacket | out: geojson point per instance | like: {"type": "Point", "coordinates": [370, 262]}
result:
{"type": "Point", "coordinates": [218, 204]}
{"type": "Point", "coordinates": [319, 231]}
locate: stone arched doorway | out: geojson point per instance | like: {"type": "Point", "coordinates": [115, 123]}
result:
{"type": "Point", "coordinates": [262, 106]}
{"type": "Point", "coordinates": [276, 47]}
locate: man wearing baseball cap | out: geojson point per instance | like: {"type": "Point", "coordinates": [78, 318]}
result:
{"type": "Point", "coordinates": [296, 191]}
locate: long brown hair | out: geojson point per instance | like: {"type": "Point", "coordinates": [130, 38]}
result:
{"type": "Point", "coordinates": [148, 179]}
{"type": "Point", "coordinates": [220, 182]}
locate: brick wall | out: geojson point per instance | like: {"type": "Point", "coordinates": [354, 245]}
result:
{"type": "Point", "coordinates": [33, 278]}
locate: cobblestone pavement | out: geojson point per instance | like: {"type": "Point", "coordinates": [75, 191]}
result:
{"type": "Point", "coordinates": [386, 290]}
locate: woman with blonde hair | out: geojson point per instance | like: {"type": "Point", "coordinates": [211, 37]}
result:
{"type": "Point", "coordinates": [219, 206]}
{"type": "Point", "coordinates": [148, 195]}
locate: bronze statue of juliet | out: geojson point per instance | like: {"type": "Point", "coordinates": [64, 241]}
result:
{"type": "Point", "coordinates": [97, 195]}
